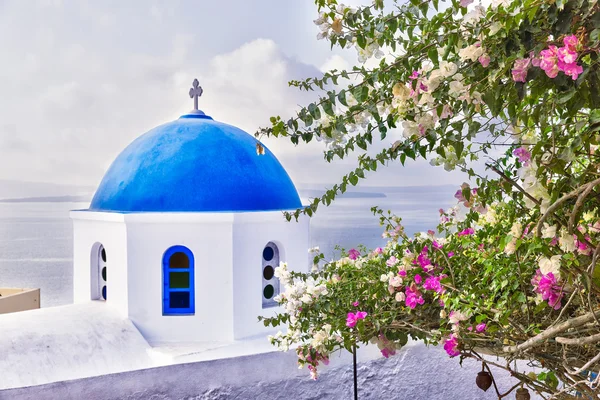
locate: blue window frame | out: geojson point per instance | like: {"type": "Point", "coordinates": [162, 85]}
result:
{"type": "Point", "coordinates": [178, 281]}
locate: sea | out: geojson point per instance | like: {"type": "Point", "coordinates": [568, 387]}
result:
{"type": "Point", "coordinates": [36, 238]}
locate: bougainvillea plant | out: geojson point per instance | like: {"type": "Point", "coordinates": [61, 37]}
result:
{"type": "Point", "coordinates": [511, 270]}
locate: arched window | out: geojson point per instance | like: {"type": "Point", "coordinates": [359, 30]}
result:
{"type": "Point", "coordinates": [270, 286]}
{"type": "Point", "coordinates": [178, 281]}
{"type": "Point", "coordinates": [98, 272]}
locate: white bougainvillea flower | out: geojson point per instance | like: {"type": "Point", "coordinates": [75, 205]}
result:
{"type": "Point", "coordinates": [550, 265]}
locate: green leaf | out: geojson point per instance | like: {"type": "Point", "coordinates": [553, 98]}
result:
{"type": "Point", "coordinates": [458, 148]}
{"type": "Point", "coordinates": [361, 41]}
{"type": "Point", "coordinates": [328, 108]}
{"type": "Point", "coordinates": [353, 179]}
{"type": "Point", "coordinates": [594, 117]}
{"type": "Point", "coordinates": [314, 111]}
{"type": "Point", "coordinates": [595, 35]}
{"type": "Point", "coordinates": [342, 98]}
{"type": "Point", "coordinates": [433, 55]}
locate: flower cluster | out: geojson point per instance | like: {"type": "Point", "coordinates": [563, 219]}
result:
{"type": "Point", "coordinates": [547, 286]}
{"type": "Point", "coordinates": [551, 61]}
{"type": "Point", "coordinates": [563, 59]}
{"type": "Point", "coordinates": [386, 346]}
{"type": "Point", "coordinates": [516, 255]}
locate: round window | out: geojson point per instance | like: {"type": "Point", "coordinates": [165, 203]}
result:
{"type": "Point", "coordinates": [268, 291]}
{"type": "Point", "coordinates": [104, 273]}
{"type": "Point", "coordinates": [103, 254]}
{"type": "Point", "coordinates": [268, 272]}
{"type": "Point", "coordinates": [268, 253]}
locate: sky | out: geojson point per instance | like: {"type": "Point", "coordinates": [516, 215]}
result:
{"type": "Point", "coordinates": [81, 80]}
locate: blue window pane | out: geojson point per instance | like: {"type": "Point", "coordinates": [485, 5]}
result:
{"type": "Point", "coordinates": [104, 292]}
{"type": "Point", "coordinates": [179, 300]}
{"type": "Point", "coordinates": [268, 253]}
{"type": "Point", "coordinates": [179, 280]}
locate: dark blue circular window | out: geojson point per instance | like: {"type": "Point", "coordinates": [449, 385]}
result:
{"type": "Point", "coordinates": [268, 253]}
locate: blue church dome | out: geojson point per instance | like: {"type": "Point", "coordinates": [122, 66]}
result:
{"type": "Point", "coordinates": [195, 164]}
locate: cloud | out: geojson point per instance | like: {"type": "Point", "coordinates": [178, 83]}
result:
{"type": "Point", "coordinates": [85, 79]}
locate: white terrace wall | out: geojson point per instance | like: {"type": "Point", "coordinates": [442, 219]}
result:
{"type": "Point", "coordinates": [416, 373]}
{"type": "Point", "coordinates": [15, 300]}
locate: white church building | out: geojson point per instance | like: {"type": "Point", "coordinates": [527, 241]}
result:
{"type": "Point", "coordinates": [185, 230]}
{"type": "Point", "coordinates": [173, 262]}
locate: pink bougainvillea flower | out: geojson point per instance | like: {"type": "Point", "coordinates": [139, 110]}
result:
{"type": "Point", "coordinates": [418, 279]}
{"type": "Point", "coordinates": [414, 75]}
{"type": "Point", "coordinates": [459, 196]}
{"type": "Point", "coordinates": [547, 285]}
{"type": "Point", "coordinates": [379, 250]}
{"type": "Point", "coordinates": [353, 254]}
{"type": "Point", "coordinates": [567, 55]}
{"type": "Point", "coordinates": [481, 327]}
{"type": "Point", "coordinates": [573, 70]}
{"type": "Point", "coordinates": [353, 318]}
{"type": "Point", "coordinates": [413, 296]}
{"type": "Point", "coordinates": [433, 283]}
{"type": "Point", "coordinates": [355, 304]}
{"type": "Point", "coordinates": [451, 346]}
{"type": "Point", "coordinates": [436, 245]}
{"type": "Point", "coordinates": [520, 68]}
{"type": "Point", "coordinates": [549, 61]}
{"type": "Point", "coordinates": [386, 352]}
{"type": "Point", "coordinates": [465, 3]}
{"type": "Point", "coordinates": [424, 261]}
{"type": "Point", "coordinates": [391, 261]}
{"type": "Point", "coordinates": [386, 347]}
{"type": "Point", "coordinates": [402, 273]}
{"type": "Point", "coordinates": [450, 254]}
{"type": "Point", "coordinates": [571, 41]}
{"type": "Point", "coordinates": [523, 155]}
{"type": "Point", "coordinates": [582, 247]}
{"type": "Point", "coordinates": [484, 60]}
{"type": "Point", "coordinates": [466, 232]}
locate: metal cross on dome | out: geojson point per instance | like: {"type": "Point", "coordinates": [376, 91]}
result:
{"type": "Point", "coordinates": [195, 92]}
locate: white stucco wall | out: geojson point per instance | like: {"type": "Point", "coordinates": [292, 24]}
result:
{"type": "Point", "coordinates": [108, 229]}
{"type": "Point", "coordinates": [252, 231]}
{"type": "Point", "coordinates": [208, 236]}
{"type": "Point", "coordinates": [416, 373]}
{"type": "Point", "coordinates": [227, 249]}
